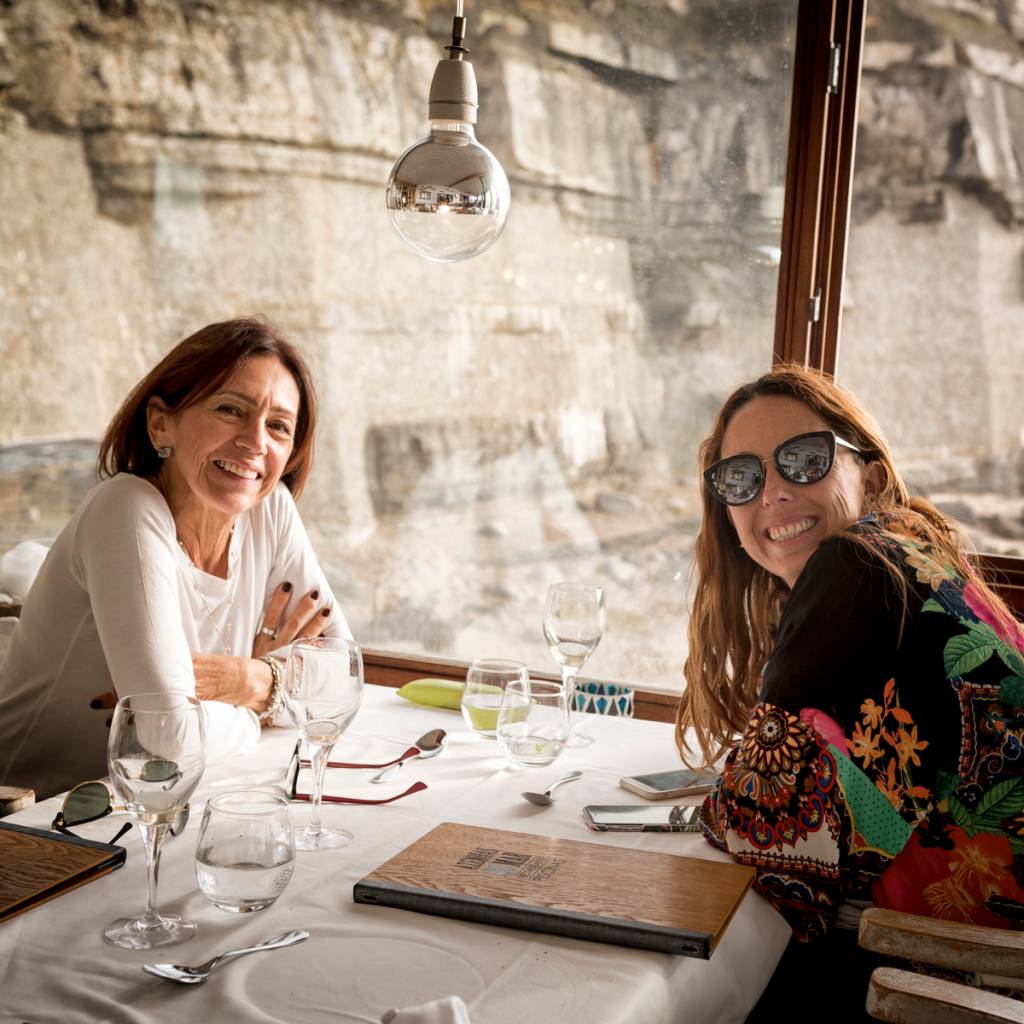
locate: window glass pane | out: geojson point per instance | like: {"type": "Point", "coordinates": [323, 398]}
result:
{"type": "Point", "coordinates": [488, 427]}
{"type": "Point", "coordinates": [933, 319]}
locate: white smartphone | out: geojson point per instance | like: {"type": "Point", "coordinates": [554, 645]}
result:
{"type": "Point", "coordinates": [637, 818]}
{"type": "Point", "coordinates": [669, 785]}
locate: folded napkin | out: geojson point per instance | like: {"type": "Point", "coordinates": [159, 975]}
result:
{"type": "Point", "coordinates": [437, 693]}
{"type": "Point", "coordinates": [441, 1011]}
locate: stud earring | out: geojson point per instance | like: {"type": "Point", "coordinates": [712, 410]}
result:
{"type": "Point", "coordinates": [165, 451]}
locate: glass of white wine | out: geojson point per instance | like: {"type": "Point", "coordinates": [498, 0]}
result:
{"type": "Point", "coordinates": [574, 622]}
{"type": "Point", "coordinates": [156, 756]}
{"type": "Point", "coordinates": [322, 691]}
{"type": "Point", "coordinates": [486, 680]}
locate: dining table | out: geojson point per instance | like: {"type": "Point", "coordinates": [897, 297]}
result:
{"type": "Point", "coordinates": [363, 960]}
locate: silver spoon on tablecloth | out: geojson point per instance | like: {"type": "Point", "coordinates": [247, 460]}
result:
{"type": "Point", "coordinates": [545, 799]}
{"type": "Point", "coordinates": [196, 975]}
{"type": "Point", "coordinates": [430, 744]}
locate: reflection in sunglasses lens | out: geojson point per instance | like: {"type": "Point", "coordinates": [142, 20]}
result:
{"type": "Point", "coordinates": [805, 461]}
{"type": "Point", "coordinates": [739, 479]}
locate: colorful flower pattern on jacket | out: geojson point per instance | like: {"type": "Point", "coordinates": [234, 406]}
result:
{"type": "Point", "coordinates": [826, 810]}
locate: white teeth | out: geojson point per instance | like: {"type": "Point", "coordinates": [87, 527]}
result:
{"type": "Point", "coordinates": [791, 530]}
{"type": "Point", "coordinates": [236, 469]}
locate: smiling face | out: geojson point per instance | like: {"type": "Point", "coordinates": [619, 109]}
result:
{"type": "Point", "coordinates": [783, 526]}
{"type": "Point", "coordinates": [231, 447]}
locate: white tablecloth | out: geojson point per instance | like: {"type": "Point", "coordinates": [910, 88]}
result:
{"type": "Point", "coordinates": [361, 960]}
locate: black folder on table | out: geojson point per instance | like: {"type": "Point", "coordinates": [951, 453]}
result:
{"type": "Point", "coordinates": [38, 865]}
{"type": "Point", "coordinates": [654, 901]}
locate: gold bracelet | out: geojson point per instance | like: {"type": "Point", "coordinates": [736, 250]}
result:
{"type": "Point", "coordinates": [276, 694]}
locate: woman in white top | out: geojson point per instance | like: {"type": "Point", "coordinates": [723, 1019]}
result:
{"type": "Point", "coordinates": [182, 570]}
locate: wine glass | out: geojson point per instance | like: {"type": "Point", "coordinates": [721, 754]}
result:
{"type": "Point", "coordinates": [156, 756]}
{"type": "Point", "coordinates": [323, 688]}
{"type": "Point", "coordinates": [574, 621]}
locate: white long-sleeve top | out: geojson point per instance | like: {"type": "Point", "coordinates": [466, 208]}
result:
{"type": "Point", "coordinates": [118, 605]}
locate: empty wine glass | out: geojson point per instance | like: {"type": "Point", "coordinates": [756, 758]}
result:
{"type": "Point", "coordinates": [323, 688]}
{"type": "Point", "coordinates": [574, 621]}
{"type": "Point", "coordinates": [156, 757]}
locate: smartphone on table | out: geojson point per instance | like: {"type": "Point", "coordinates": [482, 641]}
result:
{"type": "Point", "coordinates": [670, 785]}
{"type": "Point", "coordinates": [638, 818]}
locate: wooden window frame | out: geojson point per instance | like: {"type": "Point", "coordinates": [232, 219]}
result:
{"type": "Point", "coordinates": [819, 175]}
{"type": "Point", "coordinates": [390, 669]}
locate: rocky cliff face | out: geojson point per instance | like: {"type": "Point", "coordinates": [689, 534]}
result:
{"type": "Point", "coordinates": [168, 163]}
{"type": "Point", "coordinates": [933, 330]}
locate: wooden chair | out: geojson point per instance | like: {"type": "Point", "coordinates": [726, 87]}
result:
{"type": "Point", "coordinates": [994, 955]}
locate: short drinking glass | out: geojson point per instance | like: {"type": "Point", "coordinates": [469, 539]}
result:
{"type": "Point", "coordinates": [486, 680]}
{"type": "Point", "coordinates": [533, 723]}
{"type": "Point", "coordinates": [245, 854]}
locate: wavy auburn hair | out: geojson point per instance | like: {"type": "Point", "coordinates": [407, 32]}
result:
{"type": "Point", "coordinates": [194, 369]}
{"type": "Point", "coordinates": [737, 603]}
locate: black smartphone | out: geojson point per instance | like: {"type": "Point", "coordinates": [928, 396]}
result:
{"type": "Point", "coordinates": [634, 818]}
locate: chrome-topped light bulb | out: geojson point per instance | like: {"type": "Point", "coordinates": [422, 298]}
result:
{"type": "Point", "coordinates": [448, 197]}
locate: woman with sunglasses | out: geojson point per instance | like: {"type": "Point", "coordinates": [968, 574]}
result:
{"type": "Point", "coordinates": [863, 681]}
{"type": "Point", "coordinates": [183, 569]}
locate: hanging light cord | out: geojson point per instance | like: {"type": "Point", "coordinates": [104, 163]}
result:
{"type": "Point", "coordinates": [456, 51]}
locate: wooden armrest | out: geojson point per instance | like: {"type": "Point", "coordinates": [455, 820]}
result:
{"type": "Point", "coordinates": [910, 998]}
{"type": "Point", "coordinates": [962, 947]}
{"type": "Point", "coordinates": [13, 798]}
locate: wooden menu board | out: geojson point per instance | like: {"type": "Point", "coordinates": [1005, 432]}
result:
{"type": "Point", "coordinates": [36, 865]}
{"type": "Point", "coordinates": [654, 901]}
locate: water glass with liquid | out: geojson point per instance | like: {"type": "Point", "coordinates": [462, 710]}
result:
{"type": "Point", "coordinates": [245, 854]}
{"type": "Point", "coordinates": [486, 681]}
{"type": "Point", "coordinates": [533, 723]}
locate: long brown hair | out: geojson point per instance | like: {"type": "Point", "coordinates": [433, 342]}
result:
{"type": "Point", "coordinates": [195, 368]}
{"type": "Point", "coordinates": [737, 603]}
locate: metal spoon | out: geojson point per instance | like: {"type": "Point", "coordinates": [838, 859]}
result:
{"type": "Point", "coordinates": [197, 975]}
{"type": "Point", "coordinates": [430, 744]}
{"type": "Point", "coordinates": [544, 799]}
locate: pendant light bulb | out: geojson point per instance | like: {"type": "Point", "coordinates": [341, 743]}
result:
{"type": "Point", "coordinates": [448, 197]}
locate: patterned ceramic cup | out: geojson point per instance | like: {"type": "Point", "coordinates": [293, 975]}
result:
{"type": "Point", "coordinates": [605, 699]}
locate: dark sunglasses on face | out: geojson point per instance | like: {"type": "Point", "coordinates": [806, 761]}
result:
{"type": "Point", "coordinates": [804, 459]}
